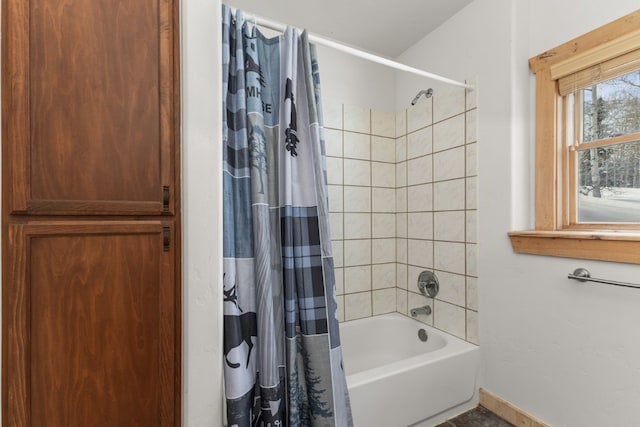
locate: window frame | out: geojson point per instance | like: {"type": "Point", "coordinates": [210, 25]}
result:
{"type": "Point", "coordinates": [554, 234]}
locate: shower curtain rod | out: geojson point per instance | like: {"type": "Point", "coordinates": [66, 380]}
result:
{"type": "Point", "coordinates": [264, 22]}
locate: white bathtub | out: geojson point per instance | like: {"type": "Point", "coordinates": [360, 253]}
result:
{"type": "Point", "coordinates": [396, 380]}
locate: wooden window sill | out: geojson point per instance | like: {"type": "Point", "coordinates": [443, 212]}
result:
{"type": "Point", "coordinates": [615, 246]}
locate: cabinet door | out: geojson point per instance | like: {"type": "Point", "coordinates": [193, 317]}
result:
{"type": "Point", "coordinates": [89, 100]}
{"type": "Point", "coordinates": [89, 325]}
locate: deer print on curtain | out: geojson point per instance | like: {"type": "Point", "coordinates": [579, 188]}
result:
{"type": "Point", "coordinates": [283, 361]}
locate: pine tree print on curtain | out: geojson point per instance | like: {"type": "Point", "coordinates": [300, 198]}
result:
{"type": "Point", "coordinates": [283, 360]}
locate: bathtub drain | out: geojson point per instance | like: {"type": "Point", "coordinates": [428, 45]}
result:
{"type": "Point", "coordinates": [422, 334]}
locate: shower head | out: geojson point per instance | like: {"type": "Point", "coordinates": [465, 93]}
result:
{"type": "Point", "coordinates": [426, 93]}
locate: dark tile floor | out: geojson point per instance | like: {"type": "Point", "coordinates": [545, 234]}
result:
{"type": "Point", "coordinates": [477, 417]}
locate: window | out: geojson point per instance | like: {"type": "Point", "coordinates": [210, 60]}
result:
{"type": "Point", "coordinates": [587, 183]}
{"type": "Point", "coordinates": [604, 152]}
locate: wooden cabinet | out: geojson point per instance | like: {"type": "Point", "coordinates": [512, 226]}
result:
{"type": "Point", "coordinates": [91, 291]}
{"type": "Point", "coordinates": [90, 106]}
{"type": "Point", "coordinates": [91, 324]}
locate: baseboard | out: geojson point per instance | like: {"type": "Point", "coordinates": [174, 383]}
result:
{"type": "Point", "coordinates": [507, 411]}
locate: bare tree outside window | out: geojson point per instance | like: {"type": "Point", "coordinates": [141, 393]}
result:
{"type": "Point", "coordinates": [608, 176]}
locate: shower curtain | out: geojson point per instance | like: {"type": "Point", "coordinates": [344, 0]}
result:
{"type": "Point", "coordinates": [282, 355]}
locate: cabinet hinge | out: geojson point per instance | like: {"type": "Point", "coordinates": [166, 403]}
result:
{"type": "Point", "coordinates": [165, 198]}
{"type": "Point", "coordinates": [166, 238]}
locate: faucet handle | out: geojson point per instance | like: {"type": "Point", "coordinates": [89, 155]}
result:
{"type": "Point", "coordinates": [428, 284]}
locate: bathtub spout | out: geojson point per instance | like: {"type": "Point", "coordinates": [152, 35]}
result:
{"type": "Point", "coordinates": [420, 310]}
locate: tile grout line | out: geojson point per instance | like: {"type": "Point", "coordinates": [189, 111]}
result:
{"type": "Point", "coordinates": [433, 206]}
{"type": "Point", "coordinates": [466, 320]}
{"type": "Point", "coordinates": [344, 298]}
{"type": "Point", "coordinates": [370, 213]}
{"type": "Point", "coordinates": [405, 209]}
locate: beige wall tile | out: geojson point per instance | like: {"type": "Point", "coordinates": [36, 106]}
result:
{"type": "Point", "coordinates": [401, 225]}
{"type": "Point", "coordinates": [340, 309]}
{"type": "Point", "coordinates": [357, 199]}
{"type": "Point", "coordinates": [472, 193]}
{"type": "Point", "coordinates": [357, 306]}
{"type": "Point", "coordinates": [357, 119]}
{"type": "Point", "coordinates": [339, 276]}
{"type": "Point", "coordinates": [383, 149]}
{"type": "Point", "coordinates": [449, 164]}
{"type": "Point", "coordinates": [383, 123]}
{"type": "Point", "coordinates": [357, 279]}
{"type": "Point", "coordinates": [401, 250]}
{"type": "Point", "coordinates": [449, 226]}
{"type": "Point", "coordinates": [357, 226]}
{"type": "Point", "coordinates": [383, 175]}
{"type": "Point", "coordinates": [472, 293]}
{"type": "Point", "coordinates": [401, 199]}
{"type": "Point", "coordinates": [383, 251]}
{"type": "Point", "coordinates": [401, 301]}
{"type": "Point", "coordinates": [472, 328]}
{"type": "Point", "coordinates": [471, 94]}
{"type": "Point", "coordinates": [420, 225]}
{"type": "Point", "coordinates": [356, 172]}
{"type": "Point", "coordinates": [450, 318]}
{"type": "Point", "coordinates": [383, 276]}
{"type": "Point", "coordinates": [383, 225]}
{"type": "Point", "coordinates": [420, 198]}
{"type": "Point", "coordinates": [420, 115]}
{"type": "Point", "coordinates": [472, 159]}
{"type": "Point", "coordinates": [357, 252]}
{"type": "Point", "coordinates": [471, 227]}
{"type": "Point", "coordinates": [448, 102]}
{"type": "Point", "coordinates": [420, 170]}
{"type": "Point", "coordinates": [401, 174]}
{"type": "Point", "coordinates": [337, 225]}
{"type": "Point", "coordinates": [357, 146]}
{"type": "Point", "coordinates": [452, 288]}
{"type": "Point", "coordinates": [420, 143]}
{"type": "Point", "coordinates": [420, 253]}
{"type": "Point", "coordinates": [335, 198]}
{"type": "Point", "coordinates": [333, 142]}
{"type": "Point", "coordinates": [384, 301]}
{"type": "Point", "coordinates": [472, 126]}
{"type": "Point", "coordinates": [449, 257]}
{"type": "Point", "coordinates": [449, 195]}
{"type": "Point", "coordinates": [401, 123]}
{"type": "Point", "coordinates": [401, 149]}
{"type": "Point", "coordinates": [449, 133]}
{"type": "Point", "coordinates": [401, 275]}
{"type": "Point", "coordinates": [382, 200]}
{"type": "Point", "coordinates": [334, 170]}
{"type": "Point", "coordinates": [472, 259]}
{"type": "Point", "coordinates": [337, 248]}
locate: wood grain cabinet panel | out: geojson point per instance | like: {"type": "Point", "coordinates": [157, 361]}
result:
{"type": "Point", "coordinates": [90, 91]}
{"type": "Point", "coordinates": [91, 325]}
{"type": "Point", "coordinates": [91, 301]}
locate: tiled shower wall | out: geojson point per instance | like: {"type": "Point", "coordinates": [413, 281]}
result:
{"type": "Point", "coordinates": [402, 190]}
{"type": "Point", "coordinates": [361, 174]}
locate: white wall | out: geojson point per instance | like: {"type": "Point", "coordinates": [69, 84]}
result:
{"type": "Point", "coordinates": [353, 81]}
{"type": "Point", "coordinates": [202, 214]}
{"type": "Point", "coordinates": [566, 352]}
